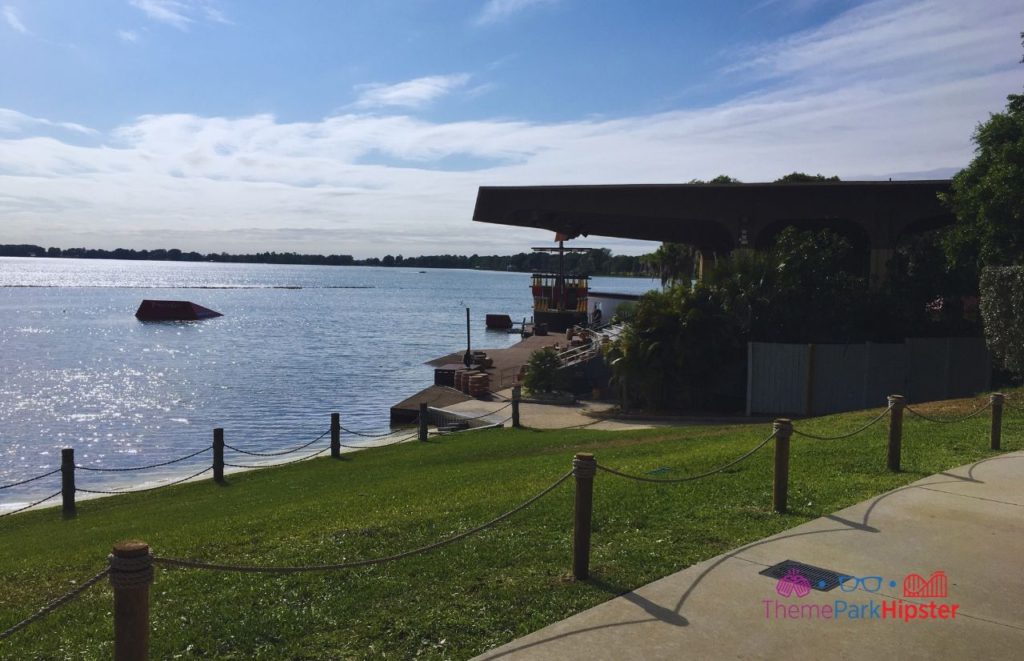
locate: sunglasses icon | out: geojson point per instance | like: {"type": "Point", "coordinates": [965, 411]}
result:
{"type": "Point", "coordinates": [866, 583]}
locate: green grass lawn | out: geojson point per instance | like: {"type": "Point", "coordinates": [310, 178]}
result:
{"type": "Point", "coordinates": [464, 598]}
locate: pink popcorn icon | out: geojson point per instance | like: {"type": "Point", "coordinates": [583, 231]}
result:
{"type": "Point", "coordinates": [793, 582]}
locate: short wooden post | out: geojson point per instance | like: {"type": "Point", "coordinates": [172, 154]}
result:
{"type": "Point", "coordinates": [131, 572]}
{"type": "Point", "coordinates": [516, 394]}
{"type": "Point", "coordinates": [783, 428]}
{"type": "Point", "coordinates": [997, 419]}
{"type": "Point", "coordinates": [336, 435]}
{"type": "Point", "coordinates": [67, 482]}
{"type": "Point", "coordinates": [584, 467]}
{"type": "Point", "coordinates": [218, 454]}
{"type": "Point", "coordinates": [423, 421]}
{"type": "Point", "coordinates": [896, 406]}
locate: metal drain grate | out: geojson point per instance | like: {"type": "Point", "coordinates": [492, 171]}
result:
{"type": "Point", "coordinates": [820, 579]}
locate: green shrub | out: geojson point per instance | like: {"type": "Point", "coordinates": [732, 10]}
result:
{"type": "Point", "coordinates": [542, 371]}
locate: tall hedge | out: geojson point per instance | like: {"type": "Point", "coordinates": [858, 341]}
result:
{"type": "Point", "coordinates": [1002, 310]}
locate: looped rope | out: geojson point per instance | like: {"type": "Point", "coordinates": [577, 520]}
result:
{"type": "Point", "coordinates": [690, 478]}
{"type": "Point", "coordinates": [196, 564]}
{"type": "Point", "coordinates": [30, 506]}
{"type": "Point", "coordinates": [950, 420]}
{"type": "Point", "coordinates": [282, 463]}
{"type": "Point", "coordinates": [159, 486]}
{"type": "Point", "coordinates": [276, 454]}
{"type": "Point", "coordinates": [842, 436]}
{"type": "Point", "coordinates": [130, 572]}
{"type": "Point", "coordinates": [365, 435]}
{"type": "Point", "coordinates": [1011, 404]}
{"type": "Point", "coordinates": [584, 468]}
{"type": "Point", "coordinates": [53, 605]}
{"type": "Point", "coordinates": [142, 468]}
{"type": "Point", "coordinates": [31, 479]}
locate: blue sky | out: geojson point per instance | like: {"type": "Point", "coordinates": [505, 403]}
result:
{"type": "Point", "coordinates": [366, 127]}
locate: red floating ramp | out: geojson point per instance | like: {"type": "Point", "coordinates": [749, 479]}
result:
{"type": "Point", "coordinates": [173, 311]}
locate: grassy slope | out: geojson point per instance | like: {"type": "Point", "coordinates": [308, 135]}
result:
{"type": "Point", "coordinates": [459, 600]}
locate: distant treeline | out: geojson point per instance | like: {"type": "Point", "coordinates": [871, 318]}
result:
{"type": "Point", "coordinates": [596, 262]}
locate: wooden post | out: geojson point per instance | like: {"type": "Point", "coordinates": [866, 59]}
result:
{"type": "Point", "coordinates": [896, 405]}
{"type": "Point", "coordinates": [131, 572]}
{"type": "Point", "coordinates": [584, 467]}
{"type": "Point", "coordinates": [67, 482]}
{"type": "Point", "coordinates": [783, 430]}
{"type": "Point", "coordinates": [218, 454]}
{"type": "Point", "coordinates": [516, 394]}
{"type": "Point", "coordinates": [336, 435]}
{"type": "Point", "coordinates": [997, 419]}
{"type": "Point", "coordinates": [423, 421]}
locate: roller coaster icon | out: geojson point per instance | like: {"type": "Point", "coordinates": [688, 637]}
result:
{"type": "Point", "coordinates": [915, 586]}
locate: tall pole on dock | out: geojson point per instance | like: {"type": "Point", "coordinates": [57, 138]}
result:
{"type": "Point", "coordinates": [468, 350]}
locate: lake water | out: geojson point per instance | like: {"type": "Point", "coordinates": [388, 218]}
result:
{"type": "Point", "coordinates": [295, 344]}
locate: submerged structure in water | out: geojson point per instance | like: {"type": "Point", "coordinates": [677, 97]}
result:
{"type": "Point", "coordinates": [150, 310]}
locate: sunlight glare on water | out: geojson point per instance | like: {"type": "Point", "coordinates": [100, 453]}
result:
{"type": "Point", "coordinates": [295, 344]}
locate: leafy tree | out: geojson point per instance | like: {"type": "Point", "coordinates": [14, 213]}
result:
{"type": "Point", "coordinates": [720, 179]}
{"type": "Point", "coordinates": [676, 263]}
{"type": "Point", "coordinates": [988, 195]}
{"type": "Point", "coordinates": [1002, 306]}
{"type": "Point", "coordinates": [801, 177]}
{"type": "Point", "coordinates": [676, 350]}
{"type": "Point", "coordinates": [543, 371]}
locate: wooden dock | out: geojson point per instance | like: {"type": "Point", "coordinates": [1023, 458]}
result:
{"type": "Point", "coordinates": [507, 363]}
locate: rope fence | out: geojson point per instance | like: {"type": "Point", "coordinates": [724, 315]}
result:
{"type": "Point", "coordinates": [254, 569]}
{"type": "Point", "coordinates": [130, 567]}
{"type": "Point", "coordinates": [689, 478]}
{"type": "Point", "coordinates": [54, 605]}
{"type": "Point", "coordinates": [947, 421]}
{"type": "Point", "coordinates": [145, 489]}
{"type": "Point", "coordinates": [140, 468]}
{"type": "Point", "coordinates": [842, 436]}
{"type": "Point", "coordinates": [277, 454]}
{"type": "Point", "coordinates": [26, 507]}
{"type": "Point", "coordinates": [31, 479]}
{"type": "Point", "coordinates": [282, 463]}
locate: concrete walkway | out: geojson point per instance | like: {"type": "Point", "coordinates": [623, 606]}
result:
{"type": "Point", "coordinates": [546, 416]}
{"type": "Point", "coordinates": [967, 523]}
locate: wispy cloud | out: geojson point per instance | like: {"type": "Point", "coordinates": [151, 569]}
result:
{"type": "Point", "coordinates": [128, 35]}
{"type": "Point", "coordinates": [891, 40]}
{"type": "Point", "coordinates": [414, 93]}
{"type": "Point", "coordinates": [498, 10]}
{"type": "Point", "coordinates": [13, 20]}
{"type": "Point", "coordinates": [181, 13]}
{"type": "Point", "coordinates": [12, 121]}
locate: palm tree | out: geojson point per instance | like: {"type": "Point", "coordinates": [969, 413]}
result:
{"type": "Point", "coordinates": [676, 263]}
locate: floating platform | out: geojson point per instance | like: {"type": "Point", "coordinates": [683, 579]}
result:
{"type": "Point", "coordinates": [150, 310]}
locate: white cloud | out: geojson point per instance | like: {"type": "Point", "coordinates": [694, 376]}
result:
{"type": "Point", "coordinates": [410, 93]}
{"type": "Point", "coordinates": [369, 184]}
{"type": "Point", "coordinates": [172, 12]}
{"type": "Point", "coordinates": [890, 40]}
{"type": "Point", "coordinates": [498, 10]}
{"type": "Point", "coordinates": [12, 121]}
{"type": "Point", "coordinates": [181, 13]}
{"type": "Point", "coordinates": [128, 35]}
{"type": "Point", "coordinates": [13, 20]}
